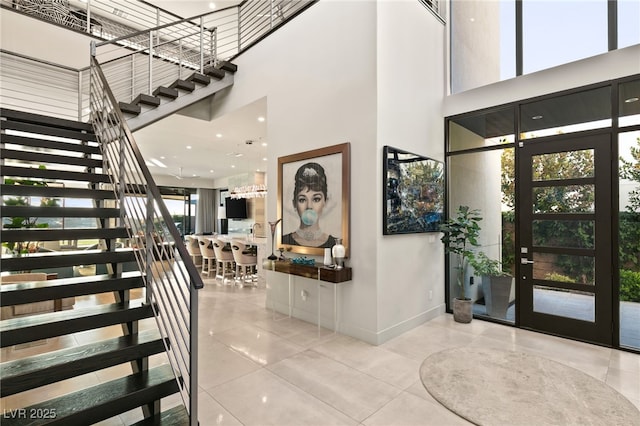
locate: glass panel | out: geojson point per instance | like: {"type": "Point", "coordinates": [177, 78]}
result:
{"type": "Point", "coordinates": [564, 268]}
{"type": "Point", "coordinates": [628, 23]}
{"type": "Point", "coordinates": [564, 303]}
{"type": "Point", "coordinates": [558, 32]}
{"type": "Point", "coordinates": [629, 103]}
{"type": "Point", "coordinates": [575, 112]}
{"type": "Point", "coordinates": [564, 199]}
{"type": "Point", "coordinates": [629, 235]}
{"type": "Point", "coordinates": [488, 129]}
{"type": "Point", "coordinates": [486, 181]}
{"type": "Point", "coordinates": [564, 233]}
{"type": "Point", "coordinates": [562, 165]}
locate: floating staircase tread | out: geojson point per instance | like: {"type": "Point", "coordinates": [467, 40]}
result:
{"type": "Point", "coordinates": [196, 77]}
{"type": "Point", "coordinates": [29, 211]}
{"type": "Point", "coordinates": [59, 259]}
{"type": "Point", "coordinates": [46, 130]}
{"type": "Point", "coordinates": [47, 234]}
{"type": "Point", "coordinates": [146, 100]}
{"type": "Point", "coordinates": [214, 72]}
{"type": "Point", "coordinates": [166, 92]}
{"type": "Point", "coordinates": [176, 416]}
{"type": "Point", "coordinates": [18, 330]}
{"type": "Point", "coordinates": [129, 108]}
{"type": "Point", "coordinates": [47, 158]}
{"type": "Point", "coordinates": [38, 291]}
{"type": "Point", "coordinates": [187, 86]}
{"type": "Point", "coordinates": [40, 370]}
{"type": "Point", "coordinates": [46, 143]}
{"type": "Point", "coordinates": [106, 400]}
{"type": "Point", "coordinates": [34, 172]}
{"type": "Point", "coordinates": [44, 119]}
{"type": "Point", "coordinates": [228, 66]}
{"type": "Point", "coordinates": [57, 191]}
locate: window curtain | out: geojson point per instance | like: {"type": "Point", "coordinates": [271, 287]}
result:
{"type": "Point", "coordinates": [205, 210]}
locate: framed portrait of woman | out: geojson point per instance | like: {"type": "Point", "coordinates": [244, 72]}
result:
{"type": "Point", "coordinates": [313, 199]}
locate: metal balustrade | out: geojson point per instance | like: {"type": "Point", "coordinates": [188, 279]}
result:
{"type": "Point", "coordinates": [171, 279]}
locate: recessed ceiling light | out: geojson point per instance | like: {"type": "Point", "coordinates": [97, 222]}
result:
{"type": "Point", "coordinates": [218, 135]}
{"type": "Point", "coordinates": [188, 146]}
{"type": "Point", "coordinates": [264, 159]}
{"type": "Point", "coordinates": [239, 154]}
{"type": "Point", "coordinates": [264, 144]}
{"type": "Point", "coordinates": [162, 157]}
{"type": "Point", "coordinates": [233, 166]}
{"type": "Point", "coordinates": [194, 175]}
{"type": "Point", "coordinates": [536, 117]}
{"type": "Point", "coordinates": [261, 119]}
{"type": "Point", "coordinates": [212, 5]}
{"type": "Point", "coordinates": [634, 99]}
{"type": "Point", "coordinates": [210, 171]}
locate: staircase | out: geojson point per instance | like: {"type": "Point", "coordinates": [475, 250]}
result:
{"type": "Point", "coordinates": [166, 100]}
{"type": "Point", "coordinates": [112, 321]}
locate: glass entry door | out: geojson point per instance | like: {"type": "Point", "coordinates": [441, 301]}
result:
{"type": "Point", "coordinates": [565, 253]}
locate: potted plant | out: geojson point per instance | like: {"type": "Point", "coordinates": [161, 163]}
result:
{"type": "Point", "coordinates": [460, 236]}
{"type": "Point", "coordinates": [497, 285]}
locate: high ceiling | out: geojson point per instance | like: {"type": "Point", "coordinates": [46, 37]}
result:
{"type": "Point", "coordinates": [210, 156]}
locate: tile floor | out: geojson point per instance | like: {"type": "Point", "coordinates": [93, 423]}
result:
{"type": "Point", "coordinates": [259, 369]}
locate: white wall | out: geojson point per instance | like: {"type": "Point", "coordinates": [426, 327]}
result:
{"type": "Point", "coordinates": [411, 89]}
{"type": "Point", "coordinates": [369, 73]}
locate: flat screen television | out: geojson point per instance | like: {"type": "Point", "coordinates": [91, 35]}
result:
{"type": "Point", "coordinates": [236, 208]}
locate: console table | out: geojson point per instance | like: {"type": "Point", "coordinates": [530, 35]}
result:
{"type": "Point", "coordinates": [318, 272]}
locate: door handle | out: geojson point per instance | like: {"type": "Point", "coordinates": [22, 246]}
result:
{"type": "Point", "coordinates": [525, 261]}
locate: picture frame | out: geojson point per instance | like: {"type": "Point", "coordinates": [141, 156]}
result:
{"type": "Point", "coordinates": [309, 223]}
{"type": "Point", "coordinates": [413, 193]}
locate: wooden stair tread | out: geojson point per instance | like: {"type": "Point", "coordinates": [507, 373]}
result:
{"type": "Point", "coordinates": [129, 108]}
{"type": "Point", "coordinates": [214, 72]}
{"type": "Point", "coordinates": [57, 191]}
{"type": "Point", "coordinates": [43, 157]}
{"type": "Point", "coordinates": [146, 100]}
{"type": "Point", "coordinates": [66, 258]}
{"type": "Point", "coordinates": [46, 143]}
{"type": "Point", "coordinates": [108, 399]}
{"type": "Point", "coordinates": [166, 92]}
{"type": "Point", "coordinates": [176, 416]}
{"type": "Point", "coordinates": [40, 370]}
{"type": "Point", "coordinates": [187, 86]}
{"type": "Point", "coordinates": [228, 66]}
{"type": "Point", "coordinates": [47, 130]}
{"type": "Point", "coordinates": [49, 234]}
{"type": "Point", "coordinates": [37, 211]}
{"type": "Point", "coordinates": [37, 291]}
{"type": "Point", "coordinates": [25, 329]}
{"type": "Point", "coordinates": [196, 77]}
{"type": "Point", "coordinates": [33, 172]}
{"type": "Point", "coordinates": [43, 119]}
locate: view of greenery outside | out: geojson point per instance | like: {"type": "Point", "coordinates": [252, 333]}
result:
{"type": "Point", "coordinates": [629, 233]}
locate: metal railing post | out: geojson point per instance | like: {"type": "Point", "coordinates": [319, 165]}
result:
{"type": "Point", "coordinates": [89, 16]}
{"type": "Point", "coordinates": [193, 357]}
{"type": "Point", "coordinates": [79, 95]}
{"type": "Point", "coordinates": [239, 31]}
{"type": "Point", "coordinates": [271, 14]}
{"type": "Point", "coordinates": [201, 45]}
{"type": "Point", "coordinates": [180, 59]}
{"type": "Point", "coordinates": [214, 46]}
{"type": "Point", "coordinates": [150, 62]}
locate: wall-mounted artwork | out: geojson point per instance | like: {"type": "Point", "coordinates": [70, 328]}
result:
{"type": "Point", "coordinates": [313, 199]}
{"type": "Point", "coordinates": [413, 194]}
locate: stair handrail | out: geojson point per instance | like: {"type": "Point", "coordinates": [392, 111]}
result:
{"type": "Point", "coordinates": [170, 276]}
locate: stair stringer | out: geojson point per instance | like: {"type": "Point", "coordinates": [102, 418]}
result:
{"type": "Point", "coordinates": [184, 100]}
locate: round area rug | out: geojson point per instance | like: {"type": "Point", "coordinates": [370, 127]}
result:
{"type": "Point", "coordinates": [492, 387]}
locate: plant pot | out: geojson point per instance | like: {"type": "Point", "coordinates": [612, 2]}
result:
{"type": "Point", "coordinates": [498, 293]}
{"type": "Point", "coordinates": [462, 310]}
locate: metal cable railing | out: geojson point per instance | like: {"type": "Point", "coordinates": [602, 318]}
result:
{"type": "Point", "coordinates": [171, 278]}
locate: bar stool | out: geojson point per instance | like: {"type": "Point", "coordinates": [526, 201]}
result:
{"type": "Point", "coordinates": [224, 260]}
{"type": "Point", "coordinates": [246, 263]}
{"type": "Point", "coordinates": [193, 247]}
{"type": "Point", "coordinates": [208, 255]}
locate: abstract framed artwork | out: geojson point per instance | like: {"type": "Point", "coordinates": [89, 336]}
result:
{"type": "Point", "coordinates": [413, 193]}
{"type": "Point", "coordinates": [313, 199]}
